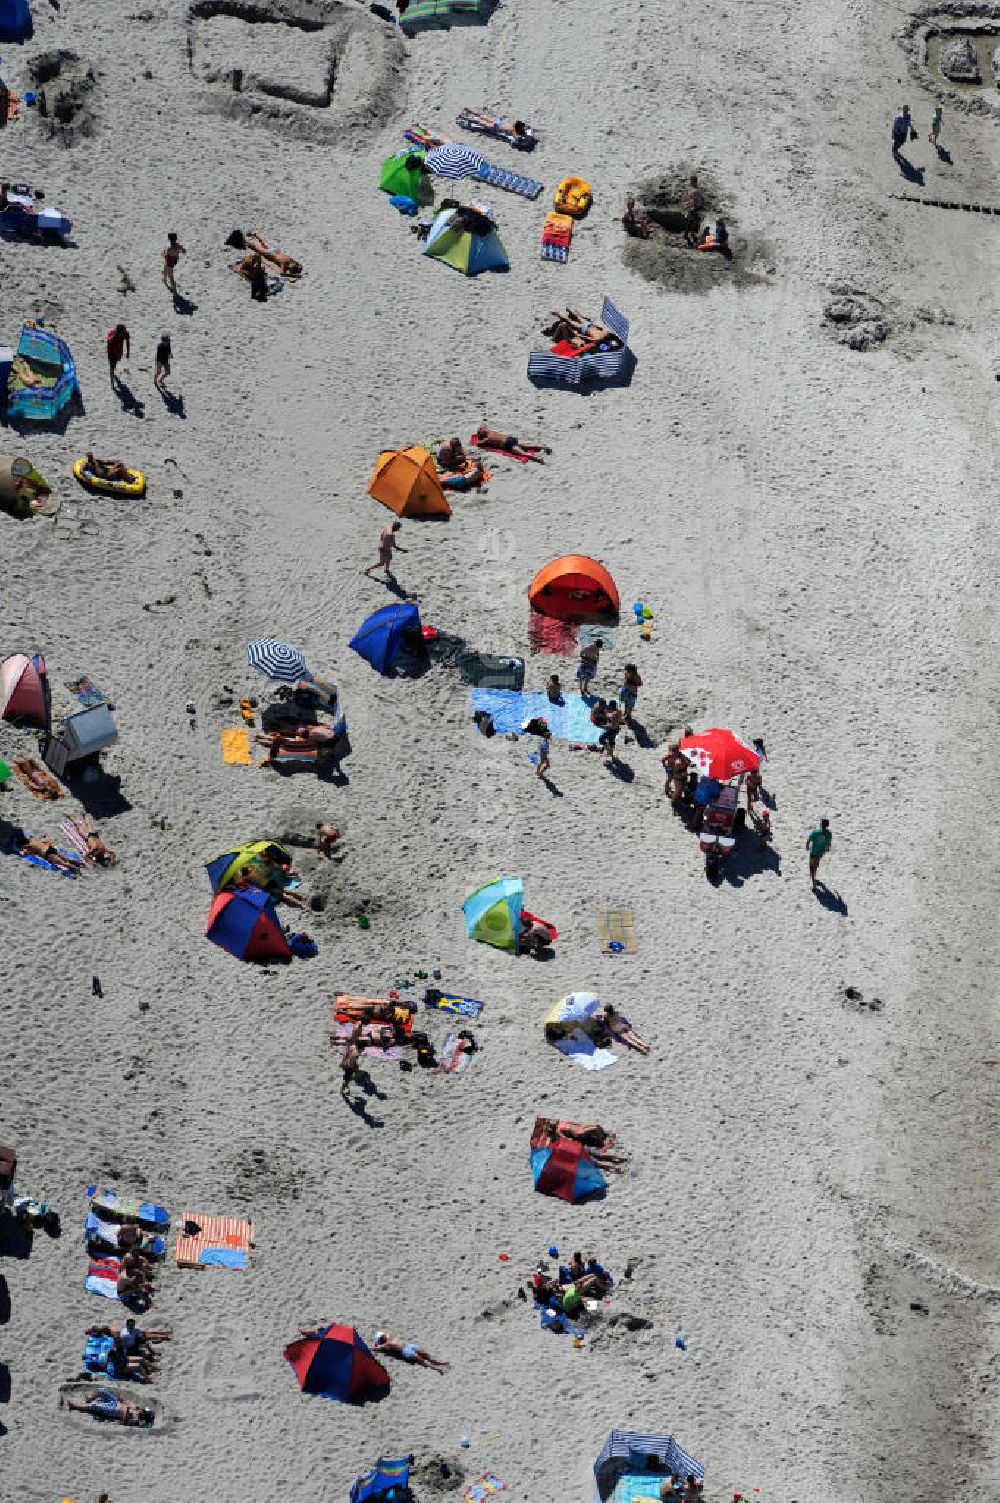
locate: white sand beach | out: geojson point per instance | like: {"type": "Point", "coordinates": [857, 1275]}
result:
{"type": "Point", "coordinates": [811, 1202]}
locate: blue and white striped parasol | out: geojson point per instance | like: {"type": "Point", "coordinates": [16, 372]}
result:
{"type": "Point", "coordinates": [277, 659]}
{"type": "Point", "coordinates": [454, 160]}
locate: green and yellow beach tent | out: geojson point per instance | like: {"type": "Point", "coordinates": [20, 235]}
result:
{"type": "Point", "coordinates": [401, 173]}
{"type": "Point", "coordinates": [466, 240]}
{"type": "Point", "coordinates": [493, 913]}
{"type": "Point", "coordinates": [227, 868]}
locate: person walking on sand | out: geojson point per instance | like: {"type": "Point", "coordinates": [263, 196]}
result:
{"type": "Point", "coordinates": [818, 842]}
{"type": "Point", "coordinates": [351, 1063]}
{"type": "Point", "coordinates": [543, 763]}
{"type": "Point", "coordinates": [163, 354]}
{"type": "Point", "coordinates": [388, 544]}
{"type": "Point", "coordinates": [119, 343]}
{"type": "Point", "coordinates": [171, 256]}
{"type": "Point", "coordinates": [936, 118]}
{"type": "Point", "coordinates": [628, 691]}
{"type": "Point", "coordinates": [902, 130]}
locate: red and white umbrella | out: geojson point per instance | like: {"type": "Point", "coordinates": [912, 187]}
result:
{"type": "Point", "coordinates": [719, 754]}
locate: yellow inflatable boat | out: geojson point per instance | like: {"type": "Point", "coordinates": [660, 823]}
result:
{"type": "Point", "coordinates": [573, 196]}
{"type": "Point", "coordinates": [135, 485]}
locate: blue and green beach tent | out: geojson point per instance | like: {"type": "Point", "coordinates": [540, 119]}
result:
{"type": "Point", "coordinates": [469, 251]}
{"type": "Point", "coordinates": [225, 869]}
{"type": "Point", "coordinates": [493, 913]}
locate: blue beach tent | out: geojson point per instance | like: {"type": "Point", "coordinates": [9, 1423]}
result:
{"type": "Point", "coordinates": [15, 20]}
{"type": "Point", "coordinates": [387, 1480]}
{"type": "Point", "coordinates": [379, 640]}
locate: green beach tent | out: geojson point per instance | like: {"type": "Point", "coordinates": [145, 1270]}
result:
{"type": "Point", "coordinates": [493, 913]}
{"type": "Point", "coordinates": [466, 240]}
{"type": "Point", "coordinates": [401, 173]}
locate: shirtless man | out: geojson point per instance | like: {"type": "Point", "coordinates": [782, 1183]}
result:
{"type": "Point", "coordinates": [351, 1063]}
{"type": "Point", "coordinates": [693, 206]}
{"type": "Point", "coordinates": [388, 544]}
{"type": "Point", "coordinates": [634, 221]}
{"type": "Point", "coordinates": [171, 256]}
{"type": "Point", "coordinates": [326, 838]}
{"type": "Point", "coordinates": [491, 438]}
{"type": "Point", "coordinates": [578, 331]}
{"type": "Point", "coordinates": [451, 455]}
{"type": "Point", "coordinates": [108, 469]}
{"type": "Point", "coordinates": [408, 1351]}
{"type": "Point", "coordinates": [103, 1404]}
{"type": "Point", "coordinates": [30, 845]}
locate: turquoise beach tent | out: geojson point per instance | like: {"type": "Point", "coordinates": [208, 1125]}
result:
{"type": "Point", "coordinates": [493, 913]}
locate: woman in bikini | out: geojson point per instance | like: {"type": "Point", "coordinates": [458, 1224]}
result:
{"type": "Point", "coordinates": [29, 845]}
{"type": "Point", "coordinates": [287, 265]}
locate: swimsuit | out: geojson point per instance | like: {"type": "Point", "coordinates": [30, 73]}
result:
{"type": "Point", "coordinates": [410, 1350]}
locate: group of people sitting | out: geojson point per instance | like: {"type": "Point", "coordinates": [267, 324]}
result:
{"type": "Point", "coordinates": [462, 473]}
{"type": "Point", "coordinates": [576, 1281]}
{"type": "Point", "coordinates": [272, 872]}
{"type": "Point", "coordinates": [291, 727]}
{"type": "Point", "coordinates": [572, 333]}
{"type": "Point", "coordinates": [132, 1354]}
{"type": "Point", "coordinates": [637, 225]}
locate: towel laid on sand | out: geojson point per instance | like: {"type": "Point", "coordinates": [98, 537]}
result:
{"type": "Point", "coordinates": [617, 926]}
{"type": "Point", "coordinates": [462, 1007]}
{"type": "Point", "coordinates": [102, 1277]}
{"type": "Point", "coordinates": [220, 1242]}
{"type": "Point", "coordinates": [567, 722]}
{"type": "Point", "coordinates": [556, 638]}
{"type": "Point", "coordinates": [455, 1056]}
{"type": "Point", "coordinates": [582, 1049]}
{"type": "Point", "coordinates": [46, 795]}
{"type": "Point", "coordinates": [236, 746]}
{"type": "Point", "coordinates": [86, 691]}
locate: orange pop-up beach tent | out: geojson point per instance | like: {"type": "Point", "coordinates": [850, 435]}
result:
{"type": "Point", "coordinates": [573, 588]}
{"type": "Point", "coordinates": [406, 481]}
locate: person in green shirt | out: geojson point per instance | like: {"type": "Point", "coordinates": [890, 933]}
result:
{"type": "Point", "coordinates": [818, 842]}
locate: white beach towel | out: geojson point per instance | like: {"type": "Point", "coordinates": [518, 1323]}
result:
{"type": "Point", "coordinates": [579, 1047]}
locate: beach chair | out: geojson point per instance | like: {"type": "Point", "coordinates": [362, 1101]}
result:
{"type": "Point", "coordinates": [593, 364]}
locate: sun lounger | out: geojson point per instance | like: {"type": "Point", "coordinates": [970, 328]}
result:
{"type": "Point", "coordinates": [220, 1242]}
{"type": "Point", "coordinates": [510, 182]}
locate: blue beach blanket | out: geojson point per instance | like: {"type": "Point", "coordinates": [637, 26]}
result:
{"type": "Point", "coordinates": [513, 182]}
{"type": "Point", "coordinates": [567, 722]}
{"type": "Point", "coordinates": [223, 1257]}
{"type": "Point", "coordinates": [462, 1007]}
{"type": "Point", "coordinates": [48, 866]}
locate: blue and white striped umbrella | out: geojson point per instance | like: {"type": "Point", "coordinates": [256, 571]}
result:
{"type": "Point", "coordinates": [277, 659]}
{"type": "Point", "coordinates": [454, 160]}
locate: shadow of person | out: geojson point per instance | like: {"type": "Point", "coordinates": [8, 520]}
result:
{"type": "Point", "coordinates": [184, 305]}
{"type": "Point", "coordinates": [173, 402]}
{"type": "Point", "coordinates": [830, 899]}
{"type": "Point", "coordinates": [359, 1107]}
{"type": "Point", "coordinates": [4, 1301]}
{"type": "Point", "coordinates": [127, 397]}
{"type": "Point", "coordinates": [642, 737]}
{"type": "Point", "coordinates": [620, 770]}
{"type": "Point", "coordinates": [553, 789]}
{"type": "Point", "coordinates": [944, 155]}
{"type": "Point", "coordinates": [912, 173]}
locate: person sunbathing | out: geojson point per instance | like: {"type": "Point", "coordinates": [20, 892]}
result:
{"type": "Point", "coordinates": [132, 1337]}
{"type": "Point", "coordinates": [108, 469]}
{"type": "Point", "coordinates": [97, 852]}
{"type": "Point", "coordinates": [470, 479]}
{"type": "Point", "coordinates": [590, 1279]}
{"type": "Point", "coordinates": [287, 265]}
{"type": "Point", "coordinates": [37, 779]}
{"type": "Point", "coordinates": [491, 438]}
{"type": "Point", "coordinates": [105, 1405]}
{"type": "Point", "coordinates": [620, 1029]}
{"type": "Point", "coordinates": [24, 373]}
{"type": "Point", "coordinates": [408, 1351]}
{"type": "Point", "coordinates": [31, 845]}
{"type": "Point", "coordinates": [516, 128]}
{"type": "Point", "coordinates": [572, 328]}
{"type": "Point", "coordinates": [451, 455]}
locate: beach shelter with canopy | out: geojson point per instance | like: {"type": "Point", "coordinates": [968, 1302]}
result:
{"type": "Point", "coordinates": [423, 13]}
{"type": "Point", "coordinates": [402, 172]}
{"type": "Point", "coordinates": [246, 923]}
{"type": "Point", "coordinates": [335, 1363]}
{"type": "Point", "coordinates": [24, 689]}
{"type": "Point", "coordinates": [406, 481]}
{"type": "Point", "coordinates": [575, 1010]}
{"type": "Point", "coordinates": [572, 588]}
{"type": "Point", "coordinates": [632, 1465]}
{"type": "Point", "coordinates": [380, 639]}
{"type": "Point", "coordinates": [15, 20]}
{"type": "Point", "coordinates": [43, 378]}
{"type": "Point", "coordinates": [23, 491]}
{"type": "Point", "coordinates": [566, 1170]}
{"type": "Point", "coordinates": [493, 913]}
{"type": "Point", "coordinates": [466, 240]}
{"type": "Point", "coordinates": [594, 363]}
{"type": "Point", "coordinates": [227, 868]}
{"type": "Point", "coordinates": [717, 753]}
{"type": "Point", "coordinates": [387, 1480]}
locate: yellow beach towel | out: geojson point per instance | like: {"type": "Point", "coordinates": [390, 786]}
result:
{"type": "Point", "coordinates": [236, 746]}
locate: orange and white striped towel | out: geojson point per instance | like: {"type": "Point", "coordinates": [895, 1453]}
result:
{"type": "Point", "coordinates": [228, 1238]}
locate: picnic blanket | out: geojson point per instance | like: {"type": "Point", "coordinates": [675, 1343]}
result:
{"type": "Point", "coordinates": [236, 746]}
{"type": "Point", "coordinates": [567, 722]}
{"type": "Point", "coordinates": [461, 1007]}
{"type": "Point", "coordinates": [220, 1242]}
{"type": "Point", "coordinates": [615, 926]}
{"type": "Point", "coordinates": [45, 795]}
{"type": "Point", "coordinates": [454, 1056]}
{"type": "Point", "coordinates": [86, 691]}
{"type": "Point", "coordinates": [581, 1048]}
{"type": "Point", "coordinates": [371, 1034]}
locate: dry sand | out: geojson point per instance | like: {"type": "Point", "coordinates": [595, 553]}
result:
{"type": "Point", "coordinates": [815, 529]}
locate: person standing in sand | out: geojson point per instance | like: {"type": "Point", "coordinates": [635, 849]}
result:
{"type": "Point", "coordinates": [693, 206]}
{"type": "Point", "coordinates": [163, 354]}
{"type": "Point", "coordinates": [171, 256]}
{"type": "Point", "coordinates": [119, 343]}
{"type": "Point", "coordinates": [818, 842]}
{"type": "Point", "coordinates": [902, 130]}
{"type": "Point", "coordinates": [351, 1063]}
{"type": "Point", "coordinates": [586, 668]}
{"type": "Point", "coordinates": [388, 544]}
{"type": "Point", "coordinates": [936, 118]}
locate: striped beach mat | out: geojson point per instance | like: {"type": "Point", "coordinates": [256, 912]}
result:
{"type": "Point", "coordinates": [511, 182]}
{"type": "Point", "coordinates": [220, 1242]}
{"type": "Point", "coordinates": [616, 926]}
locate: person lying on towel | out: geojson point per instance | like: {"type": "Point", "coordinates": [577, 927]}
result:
{"type": "Point", "coordinates": [105, 1405]}
{"type": "Point", "coordinates": [506, 443]}
{"type": "Point", "coordinates": [31, 845]}
{"type": "Point", "coordinates": [572, 328]}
